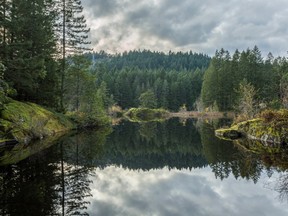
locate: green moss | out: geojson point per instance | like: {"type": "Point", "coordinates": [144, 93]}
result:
{"type": "Point", "coordinates": [228, 134]}
{"type": "Point", "coordinates": [270, 129]}
{"type": "Point", "coordinates": [146, 114]}
{"type": "Point", "coordinates": [27, 121]}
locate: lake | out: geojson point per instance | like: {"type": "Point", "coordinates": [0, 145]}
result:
{"type": "Point", "coordinates": [177, 167]}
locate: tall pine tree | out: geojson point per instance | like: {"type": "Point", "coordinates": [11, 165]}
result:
{"type": "Point", "coordinates": [27, 40]}
{"type": "Point", "coordinates": [73, 34]}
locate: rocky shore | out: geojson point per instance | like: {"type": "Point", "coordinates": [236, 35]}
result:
{"type": "Point", "coordinates": [270, 128]}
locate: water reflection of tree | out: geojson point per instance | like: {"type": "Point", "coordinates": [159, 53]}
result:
{"type": "Point", "coordinates": [148, 130]}
{"type": "Point", "coordinates": [77, 155]}
{"type": "Point", "coordinates": [282, 187]}
{"type": "Point", "coordinates": [224, 158]}
{"type": "Point", "coordinates": [154, 145]}
{"type": "Point", "coordinates": [74, 185]}
{"type": "Point", "coordinates": [28, 188]}
{"type": "Point", "coordinates": [53, 182]}
{"type": "Point", "coordinates": [278, 162]}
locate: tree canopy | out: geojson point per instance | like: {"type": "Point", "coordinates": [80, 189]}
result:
{"type": "Point", "coordinates": [175, 78]}
{"type": "Point", "coordinates": [221, 83]}
{"type": "Point", "coordinates": [42, 44]}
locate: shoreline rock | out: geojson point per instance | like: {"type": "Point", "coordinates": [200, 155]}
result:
{"type": "Point", "coordinates": [269, 134]}
{"type": "Point", "coordinates": [24, 122]}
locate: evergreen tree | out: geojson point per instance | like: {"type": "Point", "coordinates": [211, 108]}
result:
{"type": "Point", "coordinates": [26, 47]}
{"type": "Point", "coordinates": [76, 78]}
{"type": "Point", "coordinates": [224, 75]}
{"type": "Point", "coordinates": [165, 94]}
{"type": "Point", "coordinates": [74, 34]}
{"type": "Point", "coordinates": [104, 94]}
{"type": "Point", "coordinates": [209, 90]}
{"type": "Point", "coordinates": [148, 99]}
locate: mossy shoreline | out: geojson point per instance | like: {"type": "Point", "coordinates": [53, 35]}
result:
{"type": "Point", "coordinates": [23, 122]}
{"type": "Point", "coordinates": [146, 114]}
{"type": "Point", "coordinates": [143, 114]}
{"type": "Point", "coordinates": [270, 130]}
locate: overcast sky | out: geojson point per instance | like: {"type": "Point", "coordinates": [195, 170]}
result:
{"type": "Point", "coordinates": [182, 25]}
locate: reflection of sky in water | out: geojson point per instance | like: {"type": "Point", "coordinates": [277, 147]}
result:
{"type": "Point", "coordinates": [117, 191]}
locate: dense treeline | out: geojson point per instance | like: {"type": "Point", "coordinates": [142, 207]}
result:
{"type": "Point", "coordinates": [41, 47]}
{"type": "Point", "coordinates": [39, 63]}
{"type": "Point", "coordinates": [41, 60]}
{"type": "Point", "coordinates": [172, 88]}
{"type": "Point", "coordinates": [228, 77]}
{"type": "Point", "coordinates": [147, 59]}
{"type": "Point", "coordinates": [27, 44]}
{"type": "Point", "coordinates": [175, 78]}
{"type": "Point", "coordinates": [243, 82]}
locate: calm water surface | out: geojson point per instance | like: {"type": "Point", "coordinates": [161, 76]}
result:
{"type": "Point", "coordinates": [170, 168]}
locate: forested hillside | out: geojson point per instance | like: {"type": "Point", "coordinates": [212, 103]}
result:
{"type": "Point", "coordinates": [44, 63]}
{"type": "Point", "coordinates": [245, 81]}
{"type": "Point", "coordinates": [175, 78]}
{"type": "Point", "coordinates": [48, 63]}
{"type": "Point", "coordinates": [147, 59]}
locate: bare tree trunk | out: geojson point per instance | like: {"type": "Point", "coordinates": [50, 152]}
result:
{"type": "Point", "coordinates": [63, 56]}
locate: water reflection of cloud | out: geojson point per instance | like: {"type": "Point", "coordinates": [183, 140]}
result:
{"type": "Point", "coordinates": [117, 191]}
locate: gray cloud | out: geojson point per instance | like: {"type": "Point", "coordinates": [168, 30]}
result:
{"type": "Point", "coordinates": [202, 26]}
{"type": "Point", "coordinates": [178, 25]}
{"type": "Point", "coordinates": [101, 8]}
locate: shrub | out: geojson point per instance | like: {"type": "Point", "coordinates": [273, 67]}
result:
{"type": "Point", "coordinates": [115, 111]}
{"type": "Point", "coordinates": [240, 118]}
{"type": "Point", "coordinates": [277, 119]}
{"type": "Point", "coordinates": [270, 116]}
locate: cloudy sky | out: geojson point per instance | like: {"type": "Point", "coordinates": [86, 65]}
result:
{"type": "Point", "coordinates": [182, 25]}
